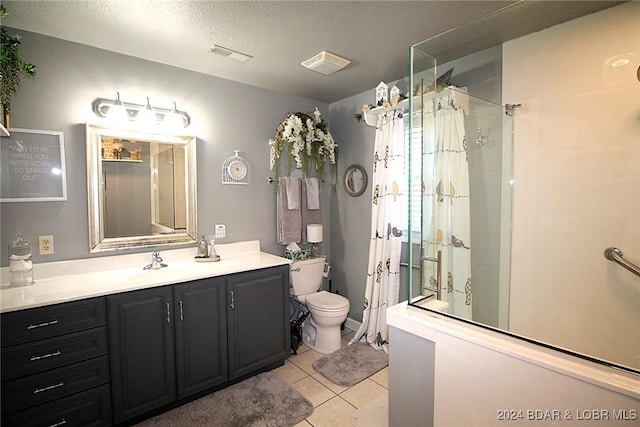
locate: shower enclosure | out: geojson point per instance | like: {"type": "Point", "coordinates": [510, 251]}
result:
{"type": "Point", "coordinates": [515, 200]}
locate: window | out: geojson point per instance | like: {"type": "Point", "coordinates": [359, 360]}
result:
{"type": "Point", "coordinates": [413, 154]}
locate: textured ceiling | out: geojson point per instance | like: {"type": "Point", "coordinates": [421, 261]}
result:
{"type": "Point", "coordinates": [374, 35]}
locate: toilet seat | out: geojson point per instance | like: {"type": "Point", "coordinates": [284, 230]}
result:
{"type": "Point", "coordinates": [326, 301]}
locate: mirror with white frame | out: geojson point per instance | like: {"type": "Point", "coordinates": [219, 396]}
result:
{"type": "Point", "coordinates": [141, 188]}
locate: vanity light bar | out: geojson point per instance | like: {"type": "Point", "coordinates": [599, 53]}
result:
{"type": "Point", "coordinates": [101, 107]}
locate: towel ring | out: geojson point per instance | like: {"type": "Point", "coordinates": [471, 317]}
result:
{"type": "Point", "coordinates": [355, 180]}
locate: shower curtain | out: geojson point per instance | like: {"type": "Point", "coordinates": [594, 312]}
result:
{"type": "Point", "coordinates": [387, 203]}
{"type": "Point", "coordinates": [446, 210]}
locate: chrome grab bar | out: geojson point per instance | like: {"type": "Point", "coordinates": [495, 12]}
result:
{"type": "Point", "coordinates": [616, 255]}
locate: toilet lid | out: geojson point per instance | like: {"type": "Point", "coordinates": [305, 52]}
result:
{"type": "Point", "coordinates": [324, 300]}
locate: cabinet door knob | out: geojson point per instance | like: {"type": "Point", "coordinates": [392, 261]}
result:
{"type": "Point", "coordinates": [233, 300]}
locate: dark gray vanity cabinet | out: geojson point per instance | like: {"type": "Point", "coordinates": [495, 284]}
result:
{"type": "Point", "coordinates": [201, 336]}
{"type": "Point", "coordinates": [257, 319]}
{"type": "Point", "coordinates": [111, 359]}
{"type": "Point", "coordinates": [55, 365]}
{"type": "Point", "coordinates": [166, 343]}
{"type": "Point", "coordinates": [171, 342]}
{"type": "Point", "coordinates": [141, 337]}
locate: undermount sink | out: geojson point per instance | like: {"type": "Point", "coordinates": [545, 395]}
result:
{"type": "Point", "coordinates": [173, 271]}
{"type": "Point", "coordinates": [155, 274]}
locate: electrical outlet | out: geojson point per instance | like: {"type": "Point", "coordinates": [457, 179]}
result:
{"type": "Point", "coordinates": [221, 231]}
{"type": "Point", "coordinates": [46, 245]}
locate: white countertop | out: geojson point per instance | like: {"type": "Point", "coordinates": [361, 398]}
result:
{"type": "Point", "coordinates": [64, 281]}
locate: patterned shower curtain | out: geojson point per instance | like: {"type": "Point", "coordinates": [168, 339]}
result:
{"type": "Point", "coordinates": [387, 202]}
{"type": "Point", "coordinates": [446, 211]}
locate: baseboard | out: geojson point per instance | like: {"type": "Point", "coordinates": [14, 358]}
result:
{"type": "Point", "coordinates": [352, 324]}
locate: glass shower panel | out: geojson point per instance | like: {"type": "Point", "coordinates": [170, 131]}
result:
{"type": "Point", "coordinates": [465, 227]}
{"type": "Point", "coordinates": [489, 136]}
{"type": "Point", "coordinates": [549, 188]}
{"type": "Point", "coordinates": [422, 80]}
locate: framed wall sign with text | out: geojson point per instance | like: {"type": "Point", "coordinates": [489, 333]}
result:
{"type": "Point", "coordinates": [32, 166]}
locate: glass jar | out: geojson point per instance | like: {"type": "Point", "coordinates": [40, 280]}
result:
{"type": "Point", "coordinates": [20, 265]}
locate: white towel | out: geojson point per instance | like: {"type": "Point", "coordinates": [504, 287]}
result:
{"type": "Point", "coordinates": [292, 186]}
{"type": "Point", "coordinates": [308, 216]}
{"type": "Point", "coordinates": [313, 193]}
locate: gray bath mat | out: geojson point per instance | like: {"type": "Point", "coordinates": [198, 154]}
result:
{"type": "Point", "coordinates": [351, 364]}
{"type": "Point", "coordinates": [261, 401]}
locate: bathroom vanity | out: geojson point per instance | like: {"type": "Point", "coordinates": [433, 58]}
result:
{"type": "Point", "coordinates": [114, 344]}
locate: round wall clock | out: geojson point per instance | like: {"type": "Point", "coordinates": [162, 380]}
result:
{"type": "Point", "coordinates": [237, 170]}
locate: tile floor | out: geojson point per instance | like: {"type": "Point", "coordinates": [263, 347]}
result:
{"type": "Point", "coordinates": [333, 405]}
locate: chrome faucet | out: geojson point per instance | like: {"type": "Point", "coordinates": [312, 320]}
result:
{"type": "Point", "coordinates": [156, 262]}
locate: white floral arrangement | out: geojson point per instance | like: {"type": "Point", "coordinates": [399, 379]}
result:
{"type": "Point", "coordinates": [307, 141]}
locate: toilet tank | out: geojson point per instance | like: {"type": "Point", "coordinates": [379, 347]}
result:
{"type": "Point", "coordinates": [306, 276]}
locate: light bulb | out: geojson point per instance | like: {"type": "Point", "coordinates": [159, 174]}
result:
{"type": "Point", "coordinates": [146, 116]}
{"type": "Point", "coordinates": [117, 112]}
{"type": "Point", "coordinates": [173, 120]}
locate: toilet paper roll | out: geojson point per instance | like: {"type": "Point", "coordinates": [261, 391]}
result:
{"type": "Point", "coordinates": [314, 233]}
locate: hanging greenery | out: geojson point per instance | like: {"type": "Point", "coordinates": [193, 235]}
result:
{"type": "Point", "coordinates": [13, 66]}
{"type": "Point", "coordinates": [307, 143]}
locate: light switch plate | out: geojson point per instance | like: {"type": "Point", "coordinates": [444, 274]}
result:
{"type": "Point", "coordinates": [221, 231]}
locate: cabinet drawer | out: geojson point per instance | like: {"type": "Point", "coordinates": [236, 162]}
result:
{"type": "Point", "coordinates": [88, 408]}
{"type": "Point", "coordinates": [44, 322]}
{"type": "Point", "coordinates": [36, 389]}
{"type": "Point", "coordinates": [27, 359]}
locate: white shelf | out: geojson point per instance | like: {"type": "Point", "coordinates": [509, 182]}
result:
{"type": "Point", "coordinates": [461, 97]}
{"type": "Point", "coordinates": [371, 116]}
{"type": "Point", "coordinates": [122, 160]}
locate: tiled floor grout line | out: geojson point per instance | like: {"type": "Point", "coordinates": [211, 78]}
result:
{"type": "Point", "coordinates": [327, 410]}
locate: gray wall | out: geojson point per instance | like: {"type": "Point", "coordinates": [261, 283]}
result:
{"type": "Point", "coordinates": [226, 116]}
{"type": "Point", "coordinates": [351, 216]}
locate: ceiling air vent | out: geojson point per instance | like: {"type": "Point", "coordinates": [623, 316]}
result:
{"type": "Point", "coordinates": [326, 63]}
{"type": "Point", "coordinates": [230, 53]}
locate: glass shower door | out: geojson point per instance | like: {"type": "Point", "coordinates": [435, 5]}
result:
{"type": "Point", "coordinates": [466, 205]}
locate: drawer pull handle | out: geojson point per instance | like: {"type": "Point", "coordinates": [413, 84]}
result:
{"type": "Point", "coordinates": [40, 325]}
{"type": "Point", "coordinates": [45, 356]}
{"type": "Point", "coordinates": [59, 423]}
{"type": "Point", "coordinates": [47, 388]}
{"type": "Point", "coordinates": [168, 312]}
{"type": "Point", "coordinates": [233, 300]}
{"type": "Point", "coordinates": [181, 311]}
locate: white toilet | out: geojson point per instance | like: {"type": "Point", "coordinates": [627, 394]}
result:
{"type": "Point", "coordinates": [328, 310]}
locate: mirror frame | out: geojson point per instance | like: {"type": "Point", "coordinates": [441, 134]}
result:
{"type": "Point", "coordinates": [347, 174]}
{"type": "Point", "coordinates": [95, 187]}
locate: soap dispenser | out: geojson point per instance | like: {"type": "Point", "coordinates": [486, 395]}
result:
{"type": "Point", "coordinates": [203, 248]}
{"type": "Point", "coordinates": [20, 265]}
{"type": "Point", "coordinates": [212, 250]}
